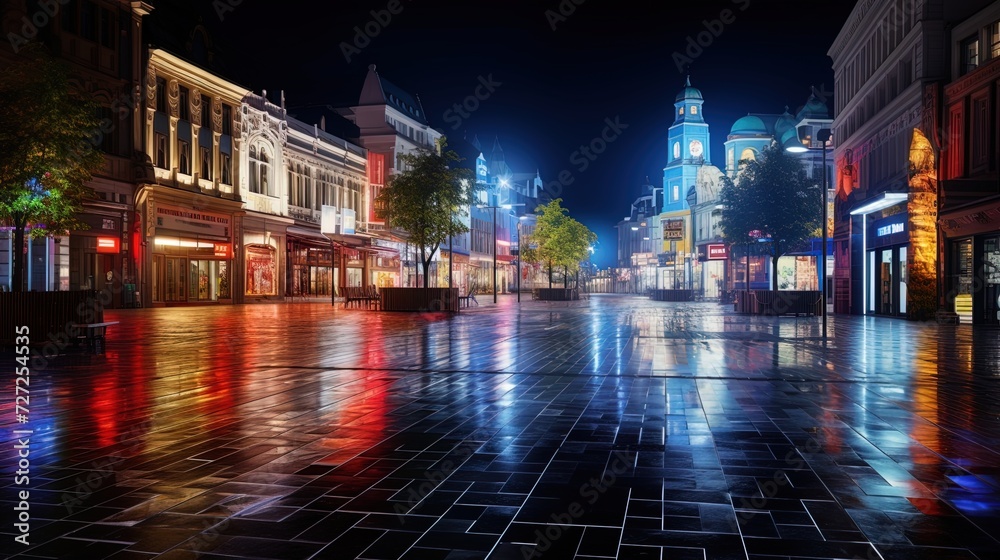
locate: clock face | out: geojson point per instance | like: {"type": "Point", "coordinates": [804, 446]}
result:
{"type": "Point", "coordinates": [677, 150]}
{"type": "Point", "coordinates": [695, 148]}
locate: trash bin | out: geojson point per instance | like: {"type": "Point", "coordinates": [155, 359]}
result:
{"type": "Point", "coordinates": [129, 296]}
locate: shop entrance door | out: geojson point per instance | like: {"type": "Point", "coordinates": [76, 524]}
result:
{"type": "Point", "coordinates": [174, 279]}
{"type": "Point", "coordinates": [886, 283]}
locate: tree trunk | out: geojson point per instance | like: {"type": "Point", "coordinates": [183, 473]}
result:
{"type": "Point", "coordinates": [774, 267]}
{"type": "Point", "coordinates": [746, 283]}
{"type": "Point", "coordinates": [17, 256]}
{"type": "Point", "coordinates": [565, 277]}
{"type": "Point", "coordinates": [550, 275]}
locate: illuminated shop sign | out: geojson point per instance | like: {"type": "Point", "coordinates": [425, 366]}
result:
{"type": "Point", "coordinates": [108, 245]}
{"type": "Point", "coordinates": [673, 229]}
{"type": "Point", "coordinates": [890, 229]}
{"type": "Point", "coordinates": [223, 250]}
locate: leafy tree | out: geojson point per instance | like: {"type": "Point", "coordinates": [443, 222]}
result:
{"type": "Point", "coordinates": [558, 240]}
{"type": "Point", "coordinates": [771, 199]}
{"type": "Point", "coordinates": [428, 200]}
{"type": "Point", "coordinates": [48, 133]}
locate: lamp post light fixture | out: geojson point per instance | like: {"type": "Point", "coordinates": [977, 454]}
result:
{"type": "Point", "coordinates": [823, 136]}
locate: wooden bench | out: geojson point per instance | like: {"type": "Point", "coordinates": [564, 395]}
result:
{"type": "Point", "coordinates": [93, 334]}
{"type": "Point", "coordinates": [466, 300]}
{"type": "Point", "coordinates": [357, 295]}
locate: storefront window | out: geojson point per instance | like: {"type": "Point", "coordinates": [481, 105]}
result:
{"type": "Point", "coordinates": [261, 268]}
{"type": "Point", "coordinates": [205, 280]}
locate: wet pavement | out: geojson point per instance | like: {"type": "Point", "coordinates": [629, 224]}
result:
{"type": "Point", "coordinates": [610, 428]}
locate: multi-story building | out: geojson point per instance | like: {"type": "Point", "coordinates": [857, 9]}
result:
{"type": "Point", "coordinates": [886, 62]}
{"type": "Point", "coordinates": [970, 170]}
{"type": "Point", "coordinates": [295, 171]}
{"type": "Point", "coordinates": [391, 123]}
{"type": "Point", "coordinates": [636, 244]}
{"type": "Point", "coordinates": [190, 246]}
{"type": "Point", "coordinates": [100, 40]}
{"type": "Point", "coordinates": [710, 270]}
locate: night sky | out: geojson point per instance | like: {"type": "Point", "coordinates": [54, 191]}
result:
{"type": "Point", "coordinates": [553, 90]}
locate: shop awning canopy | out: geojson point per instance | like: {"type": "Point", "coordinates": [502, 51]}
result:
{"type": "Point", "coordinates": [306, 233]}
{"type": "Point", "coordinates": [884, 200]}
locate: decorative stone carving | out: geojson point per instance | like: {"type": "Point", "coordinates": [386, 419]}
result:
{"type": "Point", "coordinates": [217, 114]}
{"type": "Point", "coordinates": [196, 107]}
{"type": "Point", "coordinates": [173, 98]}
{"type": "Point", "coordinates": [151, 86]}
{"type": "Point", "coordinates": [237, 120]}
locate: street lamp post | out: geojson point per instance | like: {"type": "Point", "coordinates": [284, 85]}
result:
{"type": "Point", "coordinates": [804, 145]}
{"type": "Point", "coordinates": [519, 258]}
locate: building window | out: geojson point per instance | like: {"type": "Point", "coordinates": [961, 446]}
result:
{"type": "Point", "coordinates": [970, 54]}
{"type": "Point", "coordinates": [206, 111]}
{"type": "Point", "coordinates": [993, 34]}
{"type": "Point", "coordinates": [676, 193]}
{"type": "Point", "coordinates": [680, 111]}
{"type": "Point", "coordinates": [161, 95]}
{"type": "Point", "coordinates": [260, 170]}
{"type": "Point", "coordinates": [307, 183]}
{"type": "Point", "coordinates": [227, 119]}
{"type": "Point", "coordinates": [108, 28]}
{"type": "Point", "coordinates": [107, 136]}
{"type": "Point", "coordinates": [162, 151]}
{"type": "Point", "coordinates": [185, 104]}
{"type": "Point", "coordinates": [206, 163]}
{"type": "Point", "coordinates": [694, 109]}
{"type": "Point", "coordinates": [226, 169]}
{"type": "Point", "coordinates": [69, 17]}
{"type": "Point", "coordinates": [184, 157]}
{"type": "Point", "coordinates": [88, 23]}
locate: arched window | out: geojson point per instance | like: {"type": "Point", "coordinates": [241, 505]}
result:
{"type": "Point", "coordinates": [260, 170]}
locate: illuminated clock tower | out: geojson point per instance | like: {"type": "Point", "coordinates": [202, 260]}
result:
{"type": "Point", "coordinates": [688, 148]}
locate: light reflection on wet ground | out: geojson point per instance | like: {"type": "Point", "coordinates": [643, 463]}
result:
{"type": "Point", "coordinates": [616, 427]}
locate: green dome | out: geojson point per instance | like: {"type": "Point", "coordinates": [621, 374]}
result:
{"type": "Point", "coordinates": [689, 92]}
{"type": "Point", "coordinates": [749, 126]}
{"type": "Point", "coordinates": [785, 121]}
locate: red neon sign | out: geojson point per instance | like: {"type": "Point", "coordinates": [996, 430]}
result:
{"type": "Point", "coordinates": [224, 250]}
{"type": "Point", "coordinates": [108, 245]}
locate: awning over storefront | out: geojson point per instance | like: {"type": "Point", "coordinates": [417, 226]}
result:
{"type": "Point", "coordinates": [879, 202]}
{"type": "Point", "coordinates": [307, 234]}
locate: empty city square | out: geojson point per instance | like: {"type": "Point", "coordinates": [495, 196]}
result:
{"type": "Point", "coordinates": [609, 427]}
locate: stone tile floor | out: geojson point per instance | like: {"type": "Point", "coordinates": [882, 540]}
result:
{"type": "Point", "coordinates": [609, 428]}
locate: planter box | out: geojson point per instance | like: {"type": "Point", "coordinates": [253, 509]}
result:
{"type": "Point", "coordinates": [557, 294]}
{"type": "Point", "coordinates": [419, 299]}
{"type": "Point", "coordinates": [671, 295]}
{"type": "Point", "coordinates": [778, 302]}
